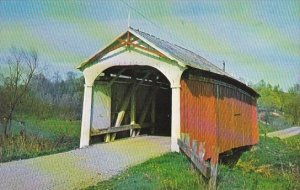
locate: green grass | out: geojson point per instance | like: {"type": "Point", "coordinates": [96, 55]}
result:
{"type": "Point", "coordinates": [39, 137]}
{"type": "Point", "coordinates": [21, 147]}
{"type": "Point", "coordinates": [170, 171]}
{"type": "Point", "coordinates": [264, 128]}
{"type": "Point", "coordinates": [272, 164]}
{"type": "Point", "coordinates": [50, 128]}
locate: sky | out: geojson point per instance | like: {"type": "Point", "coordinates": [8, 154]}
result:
{"type": "Point", "coordinates": [257, 39]}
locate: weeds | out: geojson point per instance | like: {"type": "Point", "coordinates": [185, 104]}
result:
{"type": "Point", "coordinates": [27, 146]}
{"type": "Point", "coordinates": [38, 138]}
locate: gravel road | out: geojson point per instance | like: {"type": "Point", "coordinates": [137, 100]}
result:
{"type": "Point", "coordinates": [285, 133]}
{"type": "Point", "coordinates": [80, 168]}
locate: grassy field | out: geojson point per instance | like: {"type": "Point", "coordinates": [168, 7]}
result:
{"type": "Point", "coordinates": [49, 128]}
{"type": "Point", "coordinates": [272, 164]}
{"type": "Point", "coordinates": [39, 137]}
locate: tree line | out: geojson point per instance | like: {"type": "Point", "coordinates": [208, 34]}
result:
{"type": "Point", "coordinates": [26, 91]}
{"type": "Point", "coordinates": [274, 99]}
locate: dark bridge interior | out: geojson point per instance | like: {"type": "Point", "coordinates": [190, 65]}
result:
{"type": "Point", "coordinates": [140, 103]}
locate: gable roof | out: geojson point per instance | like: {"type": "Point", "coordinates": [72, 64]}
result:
{"type": "Point", "coordinates": [182, 56]}
{"type": "Point", "coordinates": [172, 51]}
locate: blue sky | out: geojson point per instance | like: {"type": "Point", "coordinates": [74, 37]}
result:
{"type": "Point", "coordinates": [257, 39]}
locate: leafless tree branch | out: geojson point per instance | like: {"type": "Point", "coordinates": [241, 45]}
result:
{"type": "Point", "coordinates": [22, 66]}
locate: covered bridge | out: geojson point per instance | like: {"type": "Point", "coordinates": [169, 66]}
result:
{"type": "Point", "coordinates": [142, 84]}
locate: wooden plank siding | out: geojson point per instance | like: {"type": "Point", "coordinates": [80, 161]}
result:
{"type": "Point", "coordinates": [222, 116]}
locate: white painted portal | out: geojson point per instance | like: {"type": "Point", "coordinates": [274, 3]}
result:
{"type": "Point", "coordinates": [175, 120]}
{"type": "Point", "coordinates": [171, 69]}
{"type": "Point", "coordinates": [86, 116]}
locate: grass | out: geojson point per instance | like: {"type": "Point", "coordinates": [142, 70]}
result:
{"type": "Point", "coordinates": [21, 147]}
{"type": "Point", "coordinates": [272, 164]}
{"type": "Point", "coordinates": [39, 137]}
{"type": "Point", "coordinates": [170, 171]}
{"type": "Point", "coordinates": [265, 128]}
{"type": "Point", "coordinates": [49, 128]}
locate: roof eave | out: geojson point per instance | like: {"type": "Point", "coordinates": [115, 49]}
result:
{"type": "Point", "coordinates": [99, 52]}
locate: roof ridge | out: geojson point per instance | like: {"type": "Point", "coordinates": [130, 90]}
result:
{"type": "Point", "coordinates": [205, 62]}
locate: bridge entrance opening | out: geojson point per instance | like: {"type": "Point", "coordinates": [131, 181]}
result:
{"type": "Point", "coordinates": [130, 101]}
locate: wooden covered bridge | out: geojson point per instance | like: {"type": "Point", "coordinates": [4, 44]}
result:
{"type": "Point", "coordinates": [142, 84]}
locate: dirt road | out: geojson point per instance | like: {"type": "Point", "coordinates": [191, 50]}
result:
{"type": "Point", "coordinates": [82, 167]}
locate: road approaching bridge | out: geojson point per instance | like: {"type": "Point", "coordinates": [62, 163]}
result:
{"type": "Point", "coordinates": [80, 168]}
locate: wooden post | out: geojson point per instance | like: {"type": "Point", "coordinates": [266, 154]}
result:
{"type": "Point", "coordinates": [124, 106]}
{"type": "Point", "coordinates": [113, 136]}
{"type": "Point", "coordinates": [107, 138]}
{"type": "Point", "coordinates": [86, 116]}
{"type": "Point", "coordinates": [132, 109]}
{"type": "Point", "coordinates": [212, 184]}
{"type": "Point", "coordinates": [175, 118]}
{"type": "Point", "coordinates": [201, 151]}
{"type": "Point", "coordinates": [195, 146]}
{"type": "Point", "coordinates": [187, 139]}
{"type": "Point", "coordinates": [132, 114]}
{"type": "Point", "coordinates": [194, 152]}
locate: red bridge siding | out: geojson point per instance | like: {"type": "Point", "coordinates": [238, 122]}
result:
{"type": "Point", "coordinates": [221, 116]}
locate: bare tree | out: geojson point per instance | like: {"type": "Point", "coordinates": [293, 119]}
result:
{"type": "Point", "coordinates": [21, 66]}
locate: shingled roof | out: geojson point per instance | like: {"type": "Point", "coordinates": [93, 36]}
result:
{"type": "Point", "coordinates": [181, 54]}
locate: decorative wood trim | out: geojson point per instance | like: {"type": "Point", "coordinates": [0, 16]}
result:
{"type": "Point", "coordinates": [106, 51]}
{"type": "Point", "coordinates": [149, 50]}
{"type": "Point", "coordinates": [128, 38]}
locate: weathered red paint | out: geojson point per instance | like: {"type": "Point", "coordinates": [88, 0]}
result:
{"type": "Point", "coordinates": [220, 115]}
